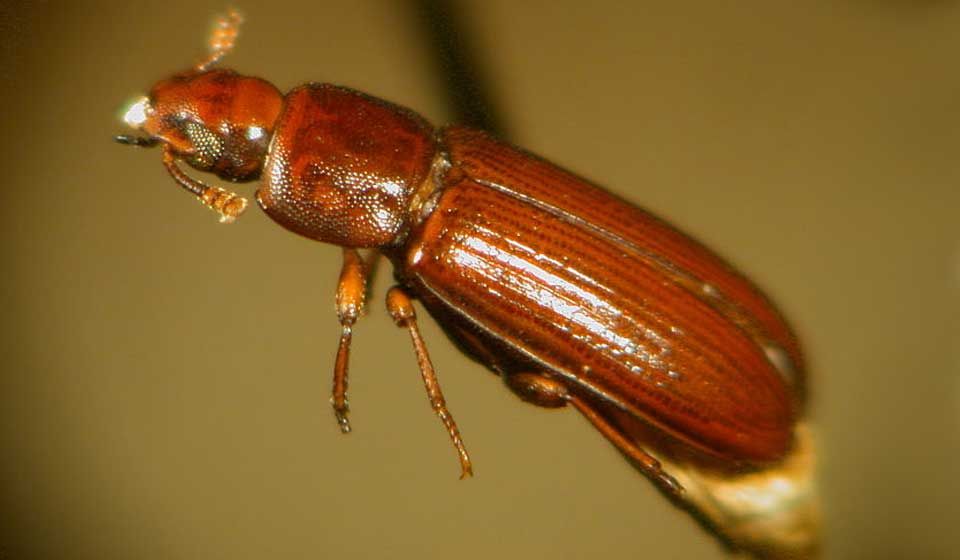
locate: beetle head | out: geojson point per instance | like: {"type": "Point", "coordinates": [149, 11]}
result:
{"type": "Point", "coordinates": [215, 120]}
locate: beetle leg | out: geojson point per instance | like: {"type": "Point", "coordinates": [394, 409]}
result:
{"type": "Point", "coordinates": [401, 309]}
{"type": "Point", "coordinates": [228, 204]}
{"type": "Point", "coordinates": [351, 295]}
{"type": "Point", "coordinates": [541, 390]}
{"type": "Point", "coordinates": [538, 389]}
{"type": "Point", "coordinates": [640, 458]}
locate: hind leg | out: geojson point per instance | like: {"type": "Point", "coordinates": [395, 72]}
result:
{"type": "Point", "coordinates": [542, 390]}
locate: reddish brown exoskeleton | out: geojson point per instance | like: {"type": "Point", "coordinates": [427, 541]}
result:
{"type": "Point", "coordinates": [573, 296]}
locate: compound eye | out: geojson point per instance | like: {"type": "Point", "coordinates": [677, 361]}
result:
{"type": "Point", "coordinates": [207, 146]}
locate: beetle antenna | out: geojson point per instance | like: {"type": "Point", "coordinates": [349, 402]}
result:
{"type": "Point", "coordinates": [229, 205]}
{"type": "Point", "coordinates": [222, 38]}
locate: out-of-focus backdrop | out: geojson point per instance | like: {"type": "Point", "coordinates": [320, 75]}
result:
{"type": "Point", "coordinates": [165, 378]}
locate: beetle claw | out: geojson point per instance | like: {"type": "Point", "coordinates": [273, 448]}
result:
{"type": "Point", "coordinates": [670, 485]}
{"type": "Point", "coordinates": [342, 421]}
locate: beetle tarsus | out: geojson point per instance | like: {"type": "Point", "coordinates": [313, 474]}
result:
{"type": "Point", "coordinates": [341, 415]}
{"type": "Point", "coordinates": [339, 398]}
{"type": "Point", "coordinates": [670, 485]}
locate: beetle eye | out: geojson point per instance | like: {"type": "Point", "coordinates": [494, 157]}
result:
{"type": "Point", "coordinates": [136, 112]}
{"type": "Point", "coordinates": [207, 146]}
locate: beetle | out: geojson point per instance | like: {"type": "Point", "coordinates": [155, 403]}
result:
{"type": "Point", "coordinates": [570, 294]}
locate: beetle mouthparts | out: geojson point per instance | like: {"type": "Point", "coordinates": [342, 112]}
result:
{"type": "Point", "coordinates": [139, 141]}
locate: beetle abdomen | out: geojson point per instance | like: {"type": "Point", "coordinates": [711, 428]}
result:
{"type": "Point", "coordinates": [517, 249]}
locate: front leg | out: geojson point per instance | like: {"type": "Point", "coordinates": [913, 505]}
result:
{"type": "Point", "coordinates": [351, 295]}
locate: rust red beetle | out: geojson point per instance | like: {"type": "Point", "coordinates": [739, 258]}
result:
{"type": "Point", "coordinates": [572, 295]}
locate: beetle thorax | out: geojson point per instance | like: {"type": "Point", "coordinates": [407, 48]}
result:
{"type": "Point", "coordinates": [343, 167]}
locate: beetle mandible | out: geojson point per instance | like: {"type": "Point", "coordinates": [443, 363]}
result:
{"type": "Point", "coordinates": [572, 295]}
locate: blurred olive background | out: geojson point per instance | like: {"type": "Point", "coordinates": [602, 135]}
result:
{"type": "Point", "coordinates": [165, 383]}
